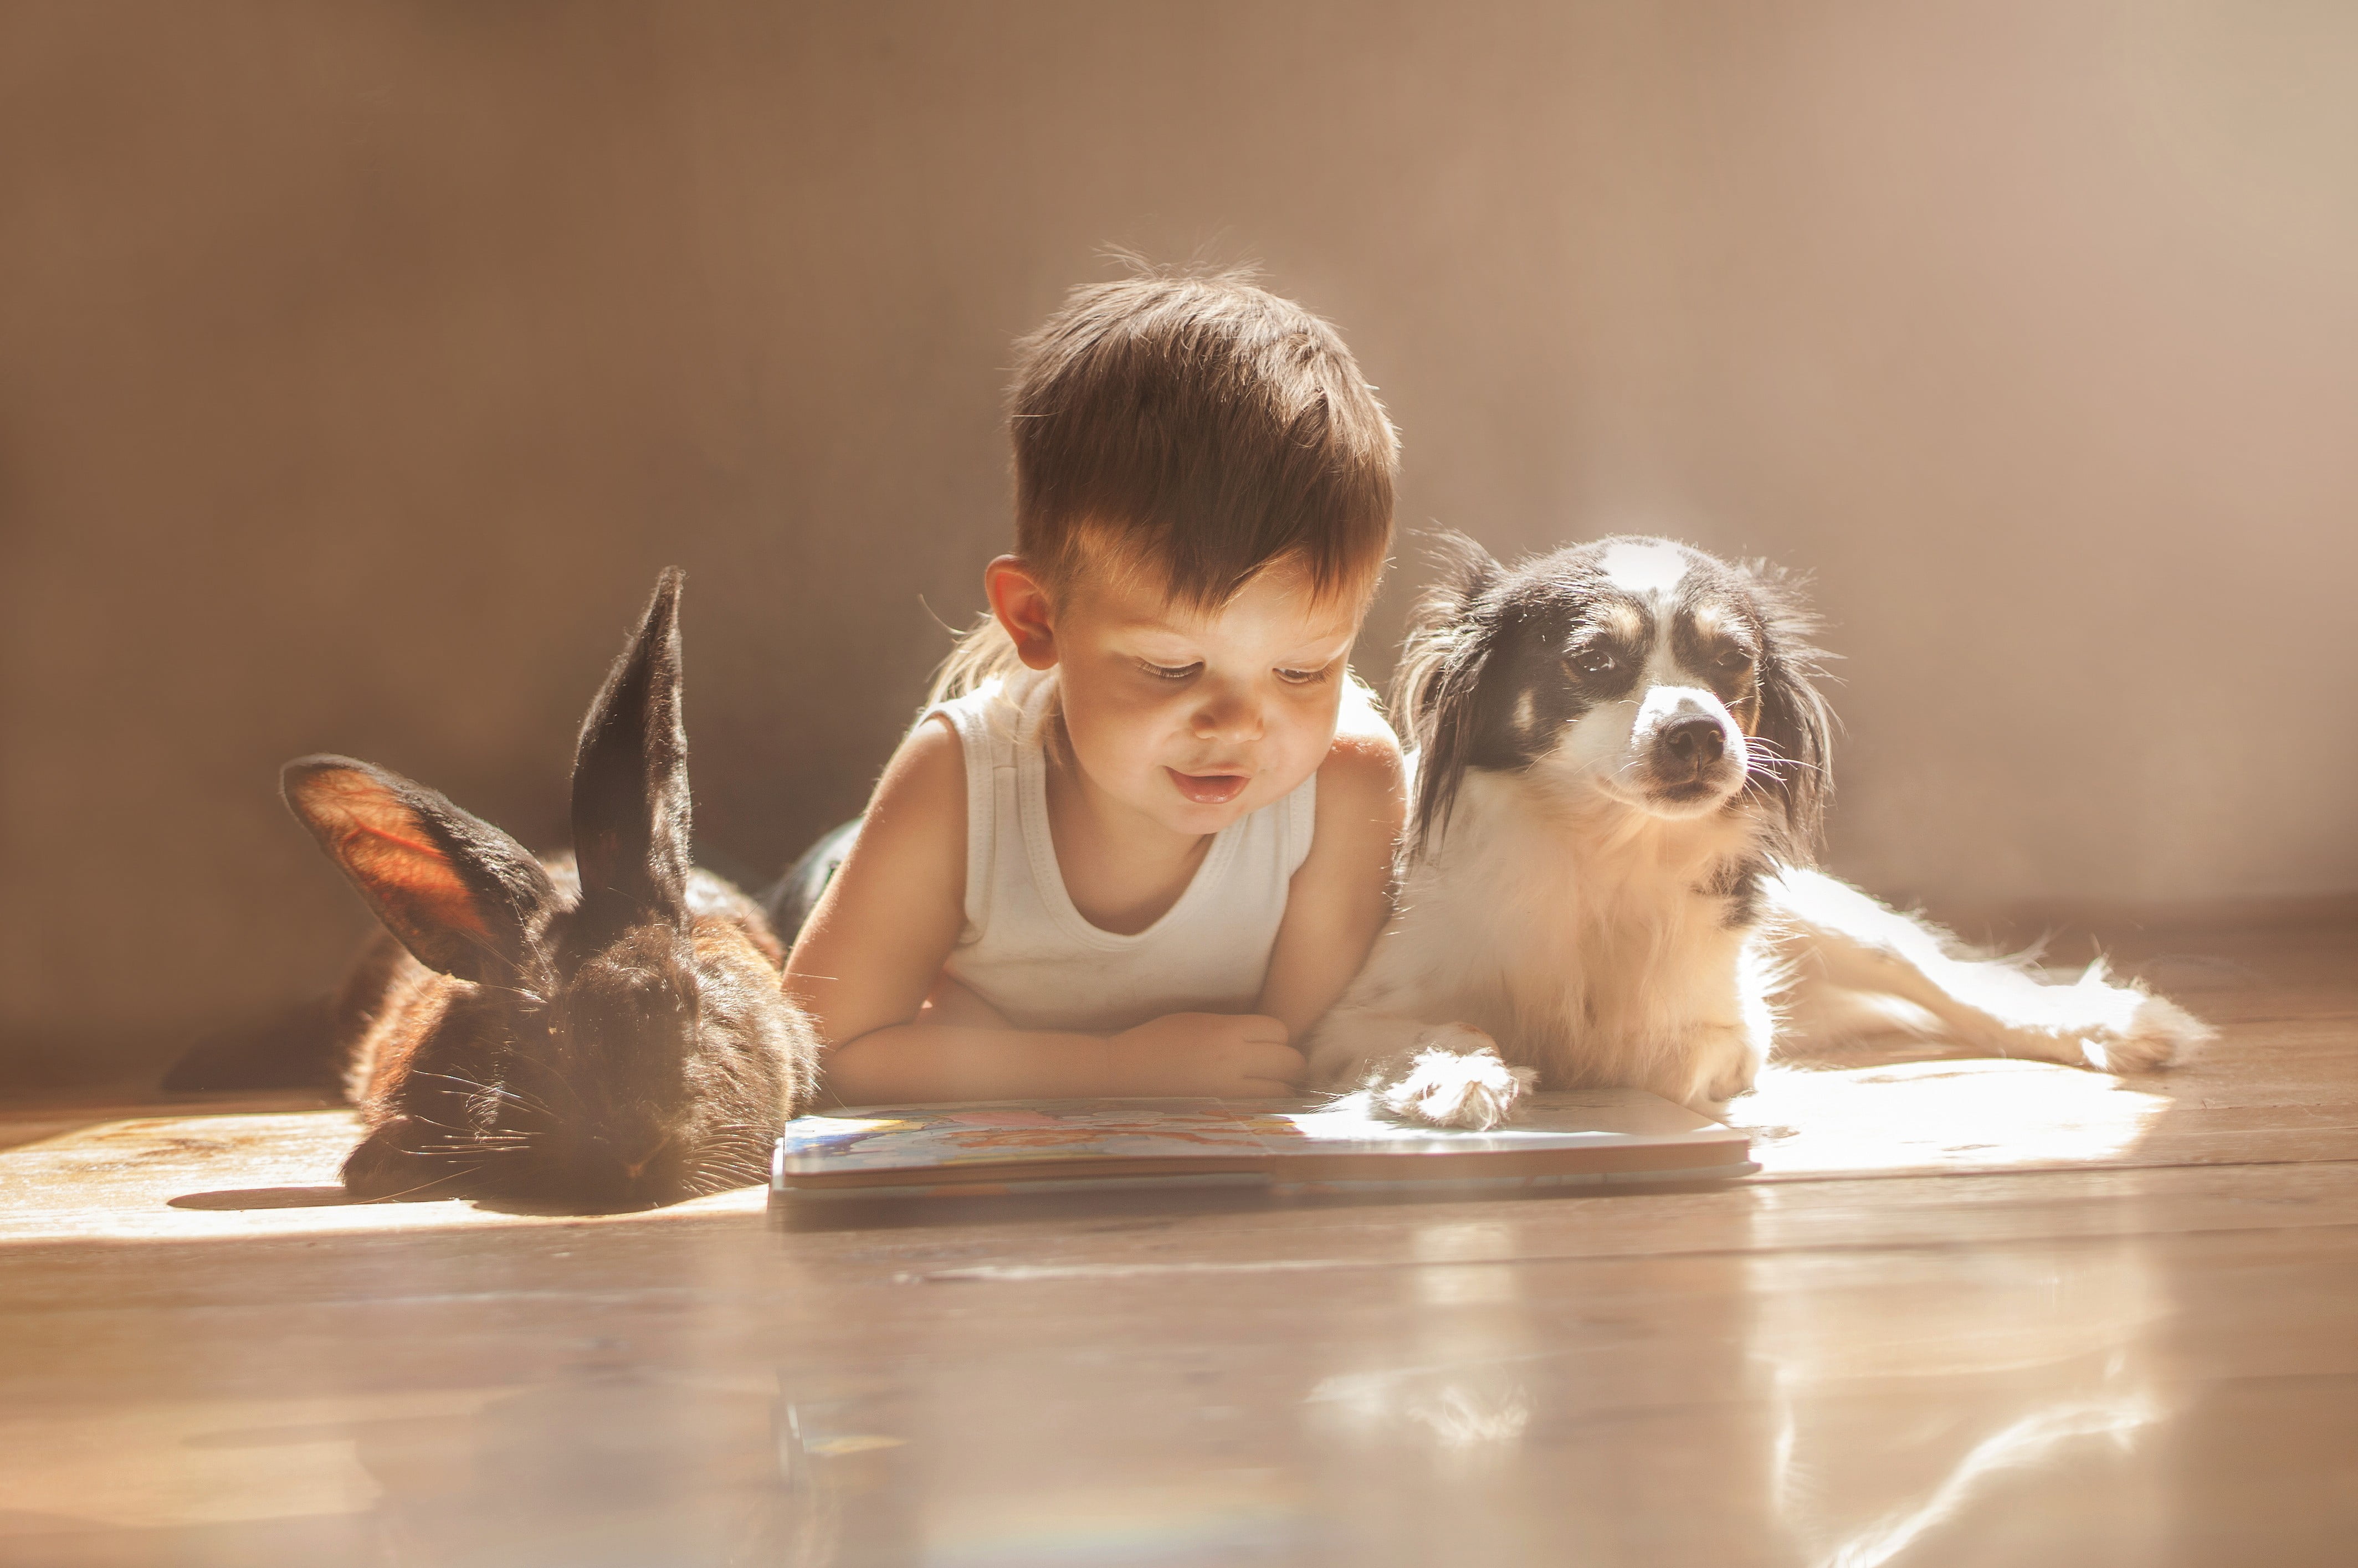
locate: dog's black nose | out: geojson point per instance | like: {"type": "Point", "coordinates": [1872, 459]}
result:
{"type": "Point", "coordinates": [1693, 743]}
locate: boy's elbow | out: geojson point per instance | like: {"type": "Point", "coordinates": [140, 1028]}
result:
{"type": "Point", "coordinates": [862, 1070]}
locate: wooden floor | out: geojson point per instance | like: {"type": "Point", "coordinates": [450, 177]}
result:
{"type": "Point", "coordinates": [1988, 1313]}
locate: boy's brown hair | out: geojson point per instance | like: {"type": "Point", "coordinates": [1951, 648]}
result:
{"type": "Point", "coordinates": [1198, 429]}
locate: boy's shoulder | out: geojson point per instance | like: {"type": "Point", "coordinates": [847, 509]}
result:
{"type": "Point", "coordinates": [1360, 722]}
{"type": "Point", "coordinates": [928, 768]}
{"type": "Point", "coordinates": [1365, 758]}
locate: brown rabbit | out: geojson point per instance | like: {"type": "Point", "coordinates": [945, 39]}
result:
{"type": "Point", "coordinates": [604, 1037]}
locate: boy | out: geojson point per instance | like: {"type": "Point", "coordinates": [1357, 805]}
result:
{"type": "Point", "coordinates": [1144, 836]}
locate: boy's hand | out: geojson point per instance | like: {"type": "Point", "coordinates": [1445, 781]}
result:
{"type": "Point", "coordinates": [1232, 1056]}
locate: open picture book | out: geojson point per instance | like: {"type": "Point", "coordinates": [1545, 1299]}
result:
{"type": "Point", "coordinates": [1560, 1140]}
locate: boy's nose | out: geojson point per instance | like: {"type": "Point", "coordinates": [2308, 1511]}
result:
{"type": "Point", "coordinates": [1227, 712]}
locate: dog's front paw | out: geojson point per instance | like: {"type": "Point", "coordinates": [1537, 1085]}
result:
{"type": "Point", "coordinates": [1457, 1080]}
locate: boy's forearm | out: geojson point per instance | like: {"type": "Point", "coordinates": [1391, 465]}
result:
{"type": "Point", "coordinates": [913, 1063]}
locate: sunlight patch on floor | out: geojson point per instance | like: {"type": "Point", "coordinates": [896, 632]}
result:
{"type": "Point", "coordinates": [180, 1177]}
{"type": "Point", "coordinates": [1942, 1116]}
{"type": "Point", "coordinates": [274, 1173]}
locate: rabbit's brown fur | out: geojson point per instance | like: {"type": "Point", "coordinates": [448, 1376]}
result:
{"type": "Point", "coordinates": [526, 1034]}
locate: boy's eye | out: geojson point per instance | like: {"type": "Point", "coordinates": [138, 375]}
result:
{"type": "Point", "coordinates": [1168, 671]}
{"type": "Point", "coordinates": [1304, 677]}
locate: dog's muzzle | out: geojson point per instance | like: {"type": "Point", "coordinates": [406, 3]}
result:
{"type": "Point", "coordinates": [1694, 754]}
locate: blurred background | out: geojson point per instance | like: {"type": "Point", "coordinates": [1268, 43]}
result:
{"type": "Point", "coordinates": [361, 364]}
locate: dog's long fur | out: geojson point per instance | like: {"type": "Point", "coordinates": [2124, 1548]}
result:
{"type": "Point", "coordinates": [1622, 767]}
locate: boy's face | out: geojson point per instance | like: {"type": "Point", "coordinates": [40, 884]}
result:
{"type": "Point", "coordinates": [1196, 719]}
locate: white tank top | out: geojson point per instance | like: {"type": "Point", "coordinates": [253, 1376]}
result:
{"type": "Point", "coordinates": [1030, 953]}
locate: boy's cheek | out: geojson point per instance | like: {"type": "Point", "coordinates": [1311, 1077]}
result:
{"type": "Point", "coordinates": [1321, 714]}
{"type": "Point", "coordinates": [1128, 738]}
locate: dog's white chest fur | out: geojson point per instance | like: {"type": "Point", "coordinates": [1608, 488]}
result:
{"type": "Point", "coordinates": [1589, 940]}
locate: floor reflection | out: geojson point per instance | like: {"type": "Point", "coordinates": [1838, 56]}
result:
{"type": "Point", "coordinates": [1576, 1410]}
{"type": "Point", "coordinates": [1761, 1376]}
{"type": "Point", "coordinates": [1961, 1405]}
{"type": "Point", "coordinates": [1460, 1385]}
{"type": "Point", "coordinates": [602, 1467]}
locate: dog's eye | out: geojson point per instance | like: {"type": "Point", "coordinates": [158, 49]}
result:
{"type": "Point", "coordinates": [1732, 660]}
{"type": "Point", "coordinates": [1594, 663]}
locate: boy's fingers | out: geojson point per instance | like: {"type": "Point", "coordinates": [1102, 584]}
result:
{"type": "Point", "coordinates": [1260, 1026]}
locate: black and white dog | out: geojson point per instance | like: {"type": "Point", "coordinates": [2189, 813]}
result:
{"type": "Point", "coordinates": [1621, 769]}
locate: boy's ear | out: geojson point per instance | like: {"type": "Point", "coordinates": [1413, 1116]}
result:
{"type": "Point", "coordinates": [1021, 602]}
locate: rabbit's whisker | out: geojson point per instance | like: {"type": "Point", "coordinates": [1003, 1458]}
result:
{"type": "Point", "coordinates": [553, 1076]}
{"type": "Point", "coordinates": [475, 1087]}
{"type": "Point", "coordinates": [440, 1126]}
{"type": "Point", "coordinates": [426, 1185]}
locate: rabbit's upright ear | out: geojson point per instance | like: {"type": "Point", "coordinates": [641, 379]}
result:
{"type": "Point", "coordinates": [463, 897]}
{"type": "Point", "coordinates": [629, 782]}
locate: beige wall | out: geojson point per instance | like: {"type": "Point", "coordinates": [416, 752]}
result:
{"type": "Point", "coordinates": [360, 364]}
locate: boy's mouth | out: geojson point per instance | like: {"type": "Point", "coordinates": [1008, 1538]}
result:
{"type": "Point", "coordinates": [1210, 789]}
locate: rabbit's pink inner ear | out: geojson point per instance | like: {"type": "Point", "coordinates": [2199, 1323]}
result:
{"type": "Point", "coordinates": [402, 866]}
{"type": "Point", "coordinates": [382, 846]}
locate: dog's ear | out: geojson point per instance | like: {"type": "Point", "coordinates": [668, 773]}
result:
{"type": "Point", "coordinates": [1452, 629]}
{"type": "Point", "coordinates": [1463, 571]}
{"type": "Point", "coordinates": [1796, 729]}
